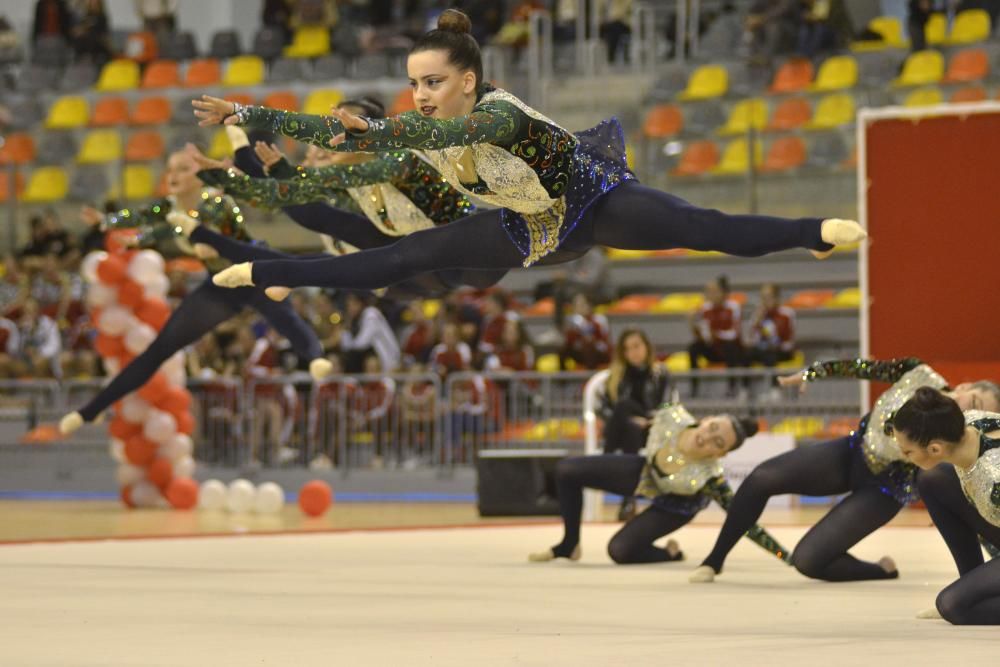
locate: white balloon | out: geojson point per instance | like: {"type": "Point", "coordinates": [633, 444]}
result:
{"type": "Point", "coordinates": [114, 320]}
{"type": "Point", "coordinates": [100, 295]}
{"type": "Point", "coordinates": [160, 426]}
{"type": "Point", "coordinates": [184, 467]}
{"type": "Point", "coordinates": [212, 495]}
{"type": "Point", "coordinates": [157, 286]}
{"type": "Point", "coordinates": [144, 494]}
{"type": "Point", "coordinates": [144, 266]}
{"type": "Point", "coordinates": [127, 474]}
{"type": "Point", "coordinates": [138, 338]}
{"type": "Point", "coordinates": [239, 496]}
{"type": "Point", "coordinates": [135, 409]}
{"type": "Point", "coordinates": [269, 499]}
{"type": "Point", "coordinates": [117, 449]}
{"type": "Point", "coordinates": [112, 366]}
{"type": "Point", "coordinates": [178, 447]}
{"type": "Point", "coordinates": [88, 267]}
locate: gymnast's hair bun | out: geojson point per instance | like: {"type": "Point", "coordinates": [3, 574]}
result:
{"type": "Point", "coordinates": [454, 20]}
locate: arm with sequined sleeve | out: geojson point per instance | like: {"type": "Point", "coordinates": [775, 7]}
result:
{"type": "Point", "coordinates": [718, 489]}
{"type": "Point", "coordinates": [309, 129]}
{"type": "Point", "coordinates": [270, 194]}
{"type": "Point", "coordinates": [498, 123]}
{"type": "Point", "coordinates": [863, 369]}
{"type": "Point", "coordinates": [150, 221]}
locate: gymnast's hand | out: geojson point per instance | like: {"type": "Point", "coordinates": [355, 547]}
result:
{"type": "Point", "coordinates": [350, 122]}
{"type": "Point", "coordinates": [268, 154]}
{"type": "Point", "coordinates": [793, 380]}
{"type": "Point", "coordinates": [214, 111]}
{"type": "Point", "coordinates": [205, 162]}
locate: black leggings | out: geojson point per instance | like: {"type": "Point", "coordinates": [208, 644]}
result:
{"type": "Point", "coordinates": [823, 469]}
{"type": "Point", "coordinates": [198, 313]}
{"type": "Point", "coordinates": [616, 474]}
{"type": "Point", "coordinates": [974, 599]}
{"type": "Point", "coordinates": [630, 217]}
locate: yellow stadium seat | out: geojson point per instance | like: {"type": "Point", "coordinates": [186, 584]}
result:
{"type": "Point", "coordinates": [972, 25]}
{"type": "Point", "coordinates": [47, 184]}
{"type": "Point", "coordinates": [319, 101]}
{"type": "Point", "coordinates": [431, 308]}
{"type": "Point", "coordinates": [68, 112]}
{"type": "Point", "coordinates": [679, 302]}
{"type": "Point", "coordinates": [892, 35]}
{"type": "Point", "coordinates": [706, 82]}
{"type": "Point", "coordinates": [797, 361]}
{"type": "Point", "coordinates": [736, 157]}
{"type": "Point", "coordinates": [617, 254]}
{"type": "Point", "coordinates": [921, 68]}
{"type": "Point", "coordinates": [836, 73]}
{"type": "Point", "coordinates": [244, 71]}
{"type": "Point", "coordinates": [936, 29]}
{"type": "Point", "coordinates": [629, 156]}
{"type": "Point", "coordinates": [220, 146]}
{"type": "Point", "coordinates": [746, 113]}
{"type": "Point", "coordinates": [924, 97]}
{"type": "Point", "coordinates": [138, 183]}
{"type": "Point", "coordinates": [833, 110]}
{"type": "Point", "coordinates": [119, 75]}
{"type": "Point", "coordinates": [100, 146]}
{"type": "Point", "coordinates": [547, 363]}
{"type": "Point", "coordinates": [678, 362]}
{"type": "Point", "coordinates": [846, 298]}
{"type": "Point", "coordinates": [309, 42]}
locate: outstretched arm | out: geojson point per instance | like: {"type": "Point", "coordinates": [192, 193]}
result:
{"type": "Point", "coordinates": [718, 489]}
{"type": "Point", "coordinates": [863, 369]}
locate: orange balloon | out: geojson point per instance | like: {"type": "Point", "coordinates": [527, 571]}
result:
{"type": "Point", "coordinates": [182, 493]}
{"type": "Point", "coordinates": [315, 497]}
{"type": "Point", "coordinates": [124, 430]}
{"type": "Point", "coordinates": [125, 358]}
{"type": "Point", "coordinates": [109, 346]}
{"type": "Point", "coordinates": [155, 312]}
{"type": "Point", "coordinates": [126, 496]}
{"type": "Point", "coordinates": [185, 423]}
{"type": "Point", "coordinates": [175, 400]}
{"type": "Point", "coordinates": [160, 472]}
{"type": "Point", "coordinates": [112, 270]}
{"type": "Point", "coordinates": [155, 388]}
{"type": "Point", "coordinates": [139, 451]}
{"type": "Point", "coordinates": [130, 294]}
{"type": "Point", "coordinates": [118, 240]}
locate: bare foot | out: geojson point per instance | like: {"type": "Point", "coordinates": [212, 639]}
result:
{"type": "Point", "coordinates": [703, 575]}
{"type": "Point", "coordinates": [277, 293]}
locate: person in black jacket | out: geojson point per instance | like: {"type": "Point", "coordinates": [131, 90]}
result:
{"type": "Point", "coordinates": [636, 386]}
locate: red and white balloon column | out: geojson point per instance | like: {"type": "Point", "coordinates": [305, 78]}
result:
{"type": "Point", "coordinates": [151, 430]}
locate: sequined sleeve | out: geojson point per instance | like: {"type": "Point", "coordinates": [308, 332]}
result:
{"type": "Point", "coordinates": [282, 170]}
{"type": "Point", "coordinates": [863, 369]}
{"type": "Point", "coordinates": [150, 221]}
{"type": "Point", "coordinates": [305, 187]}
{"type": "Point", "coordinates": [309, 129]}
{"type": "Point", "coordinates": [497, 122]}
{"type": "Point", "coordinates": [718, 489]}
{"type": "Point", "coordinates": [221, 212]}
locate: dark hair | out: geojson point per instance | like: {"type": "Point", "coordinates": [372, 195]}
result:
{"type": "Point", "coordinates": [723, 283]}
{"type": "Point", "coordinates": [929, 415]}
{"type": "Point", "coordinates": [499, 298]}
{"type": "Point", "coordinates": [453, 34]}
{"type": "Point", "coordinates": [371, 106]}
{"type": "Point", "coordinates": [744, 427]}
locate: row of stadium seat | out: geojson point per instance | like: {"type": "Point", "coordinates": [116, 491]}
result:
{"type": "Point", "coordinates": [969, 26]}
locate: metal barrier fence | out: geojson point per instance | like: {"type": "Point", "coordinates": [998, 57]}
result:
{"type": "Point", "coordinates": [419, 420]}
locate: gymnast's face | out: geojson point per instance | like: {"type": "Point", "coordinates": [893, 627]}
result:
{"type": "Point", "coordinates": [712, 438]}
{"type": "Point", "coordinates": [970, 397]}
{"type": "Point", "coordinates": [440, 90]}
{"type": "Point", "coordinates": [923, 457]}
{"type": "Point", "coordinates": [181, 174]}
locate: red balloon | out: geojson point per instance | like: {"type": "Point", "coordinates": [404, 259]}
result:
{"type": "Point", "coordinates": [185, 423]}
{"type": "Point", "coordinates": [182, 493]}
{"type": "Point", "coordinates": [112, 270]}
{"type": "Point", "coordinates": [125, 358]}
{"type": "Point", "coordinates": [109, 346]}
{"type": "Point", "coordinates": [154, 312]}
{"type": "Point", "coordinates": [124, 430]}
{"type": "Point", "coordinates": [126, 496]}
{"type": "Point", "coordinates": [160, 472]}
{"type": "Point", "coordinates": [175, 400]}
{"type": "Point", "coordinates": [130, 294]}
{"type": "Point", "coordinates": [315, 497]}
{"type": "Point", "coordinates": [139, 451]}
{"type": "Point", "coordinates": [155, 388]}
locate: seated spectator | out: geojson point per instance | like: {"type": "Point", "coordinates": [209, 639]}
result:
{"type": "Point", "coordinates": [10, 346]}
{"type": "Point", "coordinates": [48, 237]}
{"type": "Point", "coordinates": [91, 35]}
{"type": "Point", "coordinates": [614, 28]}
{"type": "Point", "coordinates": [513, 352]}
{"type": "Point", "coordinates": [330, 414]}
{"type": "Point", "coordinates": [716, 328]}
{"type": "Point", "coordinates": [588, 274]}
{"type": "Point", "coordinates": [157, 16]}
{"type": "Point", "coordinates": [919, 14]}
{"type": "Point", "coordinates": [452, 354]}
{"type": "Point", "coordinates": [314, 13]}
{"type": "Point", "coordinates": [420, 337]}
{"type": "Point", "coordinates": [40, 344]}
{"type": "Point", "coordinates": [52, 19]}
{"type": "Point", "coordinates": [418, 405]}
{"type": "Point", "coordinates": [772, 332]}
{"type": "Point", "coordinates": [51, 288]}
{"type": "Point", "coordinates": [514, 33]}
{"type": "Point", "coordinates": [588, 338]}
{"type": "Point", "coordinates": [370, 414]}
{"type": "Point", "coordinates": [825, 27]}
{"type": "Point", "coordinates": [366, 329]}
{"type": "Point", "coordinates": [772, 28]}
{"type": "Point", "coordinates": [277, 14]}
{"type": "Point", "coordinates": [14, 288]}
{"type": "Point", "coordinates": [274, 401]}
{"type": "Point", "coordinates": [495, 318]}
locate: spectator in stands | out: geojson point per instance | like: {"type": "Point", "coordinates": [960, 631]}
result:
{"type": "Point", "coordinates": [772, 28]}
{"type": "Point", "coordinates": [614, 28]}
{"type": "Point", "coordinates": [418, 414]}
{"type": "Point", "coordinates": [919, 14]}
{"type": "Point", "coordinates": [495, 317]}
{"type": "Point", "coordinates": [92, 34]}
{"type": "Point", "coordinates": [514, 33]}
{"type": "Point", "coordinates": [274, 401]}
{"type": "Point", "coordinates": [14, 288]}
{"type": "Point", "coordinates": [325, 319]}
{"type": "Point", "coordinates": [588, 338]}
{"type": "Point", "coordinates": [588, 274]}
{"type": "Point", "coordinates": [330, 414]}
{"type": "Point", "coordinates": [367, 330]}
{"type": "Point", "coordinates": [206, 359]}
{"type": "Point", "coordinates": [486, 17]}
{"type": "Point", "coordinates": [157, 16]}
{"type": "Point", "coordinates": [716, 328]}
{"type": "Point", "coordinates": [825, 26]}
{"type": "Point", "coordinates": [452, 354]}
{"type": "Point", "coordinates": [40, 343]}
{"type": "Point", "coordinates": [52, 19]}
{"type": "Point", "coordinates": [314, 13]}
{"type": "Point", "coordinates": [772, 331]}
{"type": "Point", "coordinates": [636, 386]}
{"type": "Point", "coordinates": [10, 345]}
{"type": "Point", "coordinates": [513, 352]}
{"type": "Point", "coordinates": [52, 291]}
{"type": "Point", "coordinates": [419, 337]}
{"type": "Point", "coordinates": [371, 411]}
{"type": "Point", "coordinates": [277, 14]}
{"type": "Point", "coordinates": [48, 237]}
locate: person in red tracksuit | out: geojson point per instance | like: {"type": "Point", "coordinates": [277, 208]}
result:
{"type": "Point", "coordinates": [419, 337]}
{"type": "Point", "coordinates": [772, 333]}
{"type": "Point", "coordinates": [716, 328]}
{"type": "Point", "coordinates": [495, 318]}
{"type": "Point", "coordinates": [451, 354]}
{"type": "Point", "coordinates": [588, 337]}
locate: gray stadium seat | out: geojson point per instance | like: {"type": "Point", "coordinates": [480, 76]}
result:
{"type": "Point", "coordinates": [185, 134]}
{"type": "Point", "coordinates": [332, 66]}
{"type": "Point", "coordinates": [50, 51]}
{"type": "Point", "coordinates": [268, 43]}
{"type": "Point", "coordinates": [372, 66]}
{"type": "Point", "coordinates": [56, 147]}
{"type": "Point", "coordinates": [287, 70]}
{"type": "Point", "coordinates": [25, 111]}
{"type": "Point", "coordinates": [178, 46]}
{"type": "Point", "coordinates": [183, 112]}
{"type": "Point", "coordinates": [225, 44]}
{"type": "Point", "coordinates": [826, 150]}
{"type": "Point", "coordinates": [79, 76]}
{"type": "Point", "coordinates": [703, 117]}
{"type": "Point", "coordinates": [36, 78]}
{"type": "Point", "coordinates": [88, 183]}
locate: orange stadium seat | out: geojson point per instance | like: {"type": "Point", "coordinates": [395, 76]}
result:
{"type": "Point", "coordinates": [793, 75]}
{"type": "Point", "coordinates": [662, 121]}
{"type": "Point", "coordinates": [282, 99]}
{"type": "Point", "coordinates": [699, 157]}
{"type": "Point", "coordinates": [18, 148]}
{"type": "Point", "coordinates": [792, 113]}
{"type": "Point", "coordinates": [144, 145]}
{"type": "Point", "coordinates": [202, 72]}
{"type": "Point", "coordinates": [151, 111]}
{"type": "Point", "coordinates": [161, 74]}
{"type": "Point", "coordinates": [785, 153]}
{"type": "Point", "coordinates": [110, 111]}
